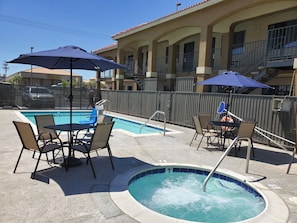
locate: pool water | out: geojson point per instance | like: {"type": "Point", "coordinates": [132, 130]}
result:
{"type": "Point", "coordinates": [177, 193]}
{"type": "Point", "coordinates": [62, 117]}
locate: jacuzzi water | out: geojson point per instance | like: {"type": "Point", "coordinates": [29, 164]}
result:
{"type": "Point", "coordinates": [176, 192]}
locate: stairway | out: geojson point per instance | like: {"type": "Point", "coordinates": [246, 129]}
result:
{"type": "Point", "coordinates": [138, 81]}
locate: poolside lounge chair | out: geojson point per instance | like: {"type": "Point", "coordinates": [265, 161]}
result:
{"type": "Point", "coordinates": [29, 142]}
{"type": "Point", "coordinates": [99, 141]}
{"type": "Point", "coordinates": [92, 119]}
{"type": "Point", "coordinates": [200, 131]}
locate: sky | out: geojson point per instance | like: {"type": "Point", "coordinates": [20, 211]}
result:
{"type": "Point", "coordinates": [89, 24]}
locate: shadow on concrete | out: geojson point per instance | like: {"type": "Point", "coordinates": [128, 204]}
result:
{"type": "Point", "coordinates": [265, 156]}
{"type": "Point", "coordinates": [80, 180]}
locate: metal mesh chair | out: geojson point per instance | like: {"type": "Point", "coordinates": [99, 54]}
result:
{"type": "Point", "coordinates": [200, 131]}
{"type": "Point", "coordinates": [205, 119]}
{"type": "Point", "coordinates": [29, 142]}
{"type": "Point", "coordinates": [46, 134]}
{"type": "Point", "coordinates": [99, 141]}
{"type": "Point", "coordinates": [244, 132]}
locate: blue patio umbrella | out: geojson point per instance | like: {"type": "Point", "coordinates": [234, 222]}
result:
{"type": "Point", "coordinates": [233, 79]}
{"type": "Point", "coordinates": [68, 57]}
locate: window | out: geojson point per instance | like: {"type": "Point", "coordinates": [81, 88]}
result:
{"type": "Point", "coordinates": [166, 56]}
{"type": "Point", "coordinates": [130, 64]}
{"type": "Point", "coordinates": [283, 34]}
{"type": "Point", "coordinates": [277, 90]}
{"type": "Point", "coordinates": [188, 57]}
{"type": "Point", "coordinates": [106, 74]}
{"type": "Point", "coordinates": [213, 50]}
{"type": "Point", "coordinates": [177, 53]}
{"type": "Point", "coordinates": [238, 42]}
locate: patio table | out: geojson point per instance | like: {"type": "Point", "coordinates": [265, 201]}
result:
{"type": "Point", "coordinates": [224, 134]}
{"type": "Point", "coordinates": [69, 128]}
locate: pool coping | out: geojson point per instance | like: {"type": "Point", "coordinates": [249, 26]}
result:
{"type": "Point", "coordinates": [276, 210]}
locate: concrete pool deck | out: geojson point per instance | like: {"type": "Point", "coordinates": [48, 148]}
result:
{"type": "Point", "coordinates": [75, 196]}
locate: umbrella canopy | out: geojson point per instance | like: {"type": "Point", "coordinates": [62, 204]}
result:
{"type": "Point", "coordinates": [233, 79]}
{"type": "Point", "coordinates": [68, 57]}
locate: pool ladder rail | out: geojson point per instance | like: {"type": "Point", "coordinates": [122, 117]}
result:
{"type": "Point", "coordinates": [101, 103]}
{"type": "Point", "coordinates": [155, 113]}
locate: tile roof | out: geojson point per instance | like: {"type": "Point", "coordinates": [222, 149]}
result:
{"type": "Point", "coordinates": [174, 13]}
{"type": "Point", "coordinates": [109, 47]}
{"type": "Point", "coordinates": [43, 70]}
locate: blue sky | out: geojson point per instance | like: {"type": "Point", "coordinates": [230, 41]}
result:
{"type": "Point", "coordinates": [89, 24]}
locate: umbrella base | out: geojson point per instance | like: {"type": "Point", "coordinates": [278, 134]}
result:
{"type": "Point", "coordinates": [72, 161]}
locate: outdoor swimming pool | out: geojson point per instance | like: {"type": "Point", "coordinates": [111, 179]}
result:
{"type": "Point", "coordinates": [125, 125]}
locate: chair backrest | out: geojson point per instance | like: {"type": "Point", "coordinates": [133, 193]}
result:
{"type": "Point", "coordinates": [26, 135]}
{"type": "Point", "coordinates": [44, 133]}
{"type": "Point", "coordinates": [104, 119]}
{"type": "Point", "coordinates": [93, 117]}
{"type": "Point", "coordinates": [205, 118]}
{"type": "Point", "coordinates": [246, 129]}
{"type": "Point", "coordinates": [197, 124]}
{"type": "Point", "coordinates": [101, 135]}
{"type": "Point", "coordinates": [107, 119]}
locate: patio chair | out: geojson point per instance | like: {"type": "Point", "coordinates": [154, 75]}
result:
{"type": "Point", "coordinates": [46, 134]}
{"type": "Point", "coordinates": [205, 119]}
{"type": "Point", "coordinates": [292, 159]}
{"type": "Point", "coordinates": [99, 141]}
{"type": "Point", "coordinates": [88, 135]}
{"type": "Point", "coordinates": [105, 119]}
{"type": "Point", "coordinates": [244, 132]}
{"type": "Point", "coordinates": [29, 142]}
{"type": "Point", "coordinates": [92, 119]}
{"type": "Point", "coordinates": [293, 153]}
{"type": "Point", "coordinates": [199, 131]}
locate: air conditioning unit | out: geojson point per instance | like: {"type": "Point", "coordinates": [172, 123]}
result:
{"type": "Point", "coordinates": [276, 104]}
{"type": "Point", "coordinates": [283, 105]}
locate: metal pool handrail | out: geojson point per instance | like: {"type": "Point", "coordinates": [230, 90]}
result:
{"type": "Point", "coordinates": [156, 112]}
{"type": "Point", "coordinates": [102, 102]}
{"type": "Point", "coordinates": [225, 154]}
{"type": "Point", "coordinates": [266, 134]}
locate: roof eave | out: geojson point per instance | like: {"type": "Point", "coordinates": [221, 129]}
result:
{"type": "Point", "coordinates": [199, 6]}
{"type": "Point", "coordinates": [106, 48]}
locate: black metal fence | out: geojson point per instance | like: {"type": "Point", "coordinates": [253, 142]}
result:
{"type": "Point", "coordinates": [12, 95]}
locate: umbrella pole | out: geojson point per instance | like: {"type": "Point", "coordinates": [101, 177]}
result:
{"type": "Point", "coordinates": [70, 100]}
{"type": "Point", "coordinates": [70, 96]}
{"type": "Point", "coordinates": [229, 100]}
